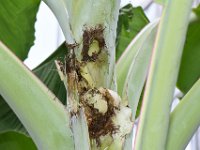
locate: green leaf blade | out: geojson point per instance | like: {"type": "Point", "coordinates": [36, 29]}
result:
{"type": "Point", "coordinates": [154, 118]}
{"type": "Point", "coordinates": [16, 141]}
{"type": "Point", "coordinates": [189, 70]}
{"type": "Point", "coordinates": [17, 25]}
{"type": "Point", "coordinates": [45, 119]}
{"type": "Point", "coordinates": [184, 120]}
{"type": "Point", "coordinates": [131, 21]}
{"type": "Point", "coordinates": [137, 73]}
{"type": "Point", "coordinates": [17, 32]}
{"type": "Point", "coordinates": [8, 119]}
{"type": "Point", "coordinates": [129, 55]}
{"type": "Point", "coordinates": [47, 73]}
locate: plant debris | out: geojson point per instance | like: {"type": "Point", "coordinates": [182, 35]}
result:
{"type": "Point", "coordinates": [105, 115]}
{"type": "Point", "coordinates": [99, 123]}
{"type": "Point", "coordinates": [91, 35]}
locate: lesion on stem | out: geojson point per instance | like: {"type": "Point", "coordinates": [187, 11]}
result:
{"type": "Point", "coordinates": [105, 115]}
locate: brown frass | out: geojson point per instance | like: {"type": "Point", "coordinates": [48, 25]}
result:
{"type": "Point", "coordinates": [89, 35]}
{"type": "Point", "coordinates": [100, 124]}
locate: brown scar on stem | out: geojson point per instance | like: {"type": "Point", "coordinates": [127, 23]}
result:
{"type": "Point", "coordinates": [100, 124]}
{"type": "Point", "coordinates": [68, 64]}
{"type": "Point", "coordinates": [72, 46]}
{"type": "Point", "coordinates": [89, 35]}
{"type": "Point", "coordinates": [71, 67]}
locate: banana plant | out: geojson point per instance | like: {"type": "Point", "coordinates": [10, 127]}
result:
{"type": "Point", "coordinates": [113, 68]}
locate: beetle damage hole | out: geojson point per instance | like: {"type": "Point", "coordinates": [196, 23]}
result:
{"type": "Point", "coordinates": [94, 48]}
{"type": "Point", "coordinates": [99, 110]}
{"type": "Point", "coordinates": [93, 43]}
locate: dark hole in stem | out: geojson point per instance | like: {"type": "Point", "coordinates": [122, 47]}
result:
{"type": "Point", "coordinates": [89, 35]}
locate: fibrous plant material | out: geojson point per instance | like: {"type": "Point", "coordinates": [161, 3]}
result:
{"type": "Point", "coordinates": [104, 115]}
{"type": "Point", "coordinates": [107, 119]}
{"type": "Point", "coordinates": [93, 43]}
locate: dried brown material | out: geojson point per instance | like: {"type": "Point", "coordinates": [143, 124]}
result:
{"type": "Point", "coordinates": [89, 35]}
{"type": "Point", "coordinates": [70, 61]}
{"type": "Point", "coordinates": [61, 65]}
{"type": "Point", "coordinates": [99, 124]}
{"type": "Point", "coordinates": [72, 46]}
{"type": "Point", "coordinates": [99, 119]}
